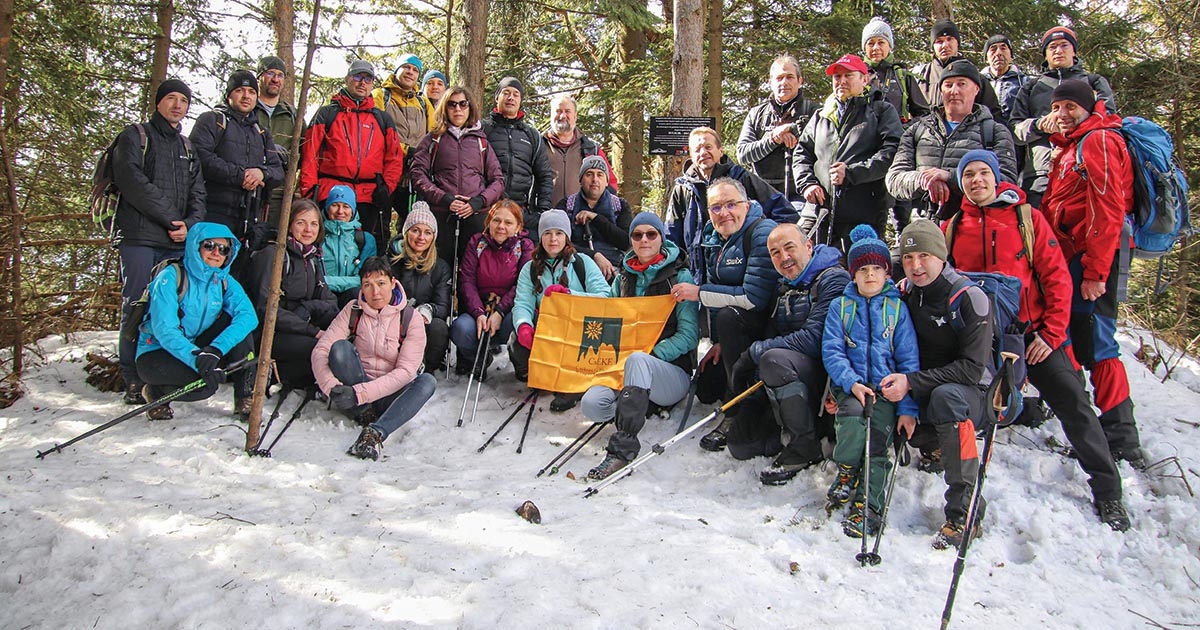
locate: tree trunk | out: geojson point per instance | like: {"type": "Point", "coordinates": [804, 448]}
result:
{"type": "Point", "coordinates": [472, 47]}
{"type": "Point", "coordinates": [446, 50]}
{"type": "Point", "coordinates": [283, 22]}
{"type": "Point", "coordinates": [943, 10]}
{"type": "Point", "coordinates": [715, 49]}
{"type": "Point", "coordinates": [8, 204]}
{"type": "Point", "coordinates": [687, 71]}
{"type": "Point", "coordinates": [162, 49]}
{"type": "Point", "coordinates": [629, 143]}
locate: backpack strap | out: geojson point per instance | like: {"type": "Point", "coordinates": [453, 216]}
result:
{"type": "Point", "coordinates": [1025, 226]}
{"type": "Point", "coordinates": [988, 127]}
{"type": "Point", "coordinates": [355, 315]}
{"type": "Point", "coordinates": [746, 234]}
{"type": "Point", "coordinates": [359, 240]}
{"type": "Point", "coordinates": [951, 225]}
{"type": "Point", "coordinates": [580, 272]}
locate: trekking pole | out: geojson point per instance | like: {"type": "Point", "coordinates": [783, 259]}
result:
{"type": "Point", "coordinates": [454, 310]}
{"type": "Point", "coordinates": [584, 437]}
{"type": "Point", "coordinates": [528, 418]}
{"type": "Point", "coordinates": [470, 379]}
{"type": "Point", "coordinates": [1005, 375]}
{"type": "Point", "coordinates": [482, 365]}
{"type": "Point", "coordinates": [868, 409]}
{"type": "Point", "coordinates": [528, 397]}
{"type": "Point", "coordinates": [309, 395]}
{"type": "Point", "coordinates": [283, 394]}
{"type": "Point", "coordinates": [687, 409]}
{"type": "Point", "coordinates": [164, 400]}
{"type": "Point", "coordinates": [901, 453]}
{"type": "Point", "coordinates": [657, 449]}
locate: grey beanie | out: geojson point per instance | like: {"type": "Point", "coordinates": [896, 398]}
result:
{"type": "Point", "coordinates": [554, 220]}
{"type": "Point", "coordinates": [593, 162]}
{"type": "Point", "coordinates": [877, 27]}
{"type": "Point", "coordinates": [923, 235]}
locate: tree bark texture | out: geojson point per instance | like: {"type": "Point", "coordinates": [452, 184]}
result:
{"type": "Point", "coordinates": [283, 23]}
{"type": "Point", "coordinates": [162, 50]}
{"type": "Point", "coordinates": [472, 49]}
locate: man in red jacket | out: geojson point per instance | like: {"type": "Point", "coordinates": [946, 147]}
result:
{"type": "Point", "coordinates": [350, 142]}
{"type": "Point", "coordinates": [987, 237]}
{"type": "Point", "coordinates": [1086, 204]}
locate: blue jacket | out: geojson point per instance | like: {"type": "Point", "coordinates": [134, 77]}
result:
{"type": "Point", "coordinates": [798, 322]}
{"type": "Point", "coordinates": [174, 323]}
{"type": "Point", "coordinates": [687, 316]}
{"type": "Point", "coordinates": [876, 344]}
{"type": "Point", "coordinates": [528, 301]}
{"type": "Point", "coordinates": [734, 277]}
{"type": "Point", "coordinates": [342, 257]}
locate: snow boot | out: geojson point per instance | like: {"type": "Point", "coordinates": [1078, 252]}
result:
{"type": "Point", "coordinates": [795, 415]}
{"type": "Point", "coordinates": [786, 466]}
{"type": "Point", "coordinates": [563, 402]}
{"type": "Point", "coordinates": [1135, 456]}
{"type": "Point", "coordinates": [610, 465]}
{"type": "Point", "coordinates": [931, 461]}
{"type": "Point", "coordinates": [241, 407]}
{"type": "Point", "coordinates": [134, 396]}
{"type": "Point", "coordinates": [158, 413]}
{"type": "Point", "coordinates": [368, 445]}
{"type": "Point", "coordinates": [518, 356]}
{"type": "Point", "coordinates": [853, 525]}
{"type": "Point", "coordinates": [842, 488]}
{"type": "Point", "coordinates": [1112, 513]}
{"type": "Point", "coordinates": [717, 439]}
{"type": "Point", "coordinates": [951, 534]}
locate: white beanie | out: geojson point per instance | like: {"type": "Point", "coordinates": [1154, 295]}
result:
{"type": "Point", "coordinates": [878, 28]}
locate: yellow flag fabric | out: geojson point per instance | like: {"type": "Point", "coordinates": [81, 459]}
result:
{"type": "Point", "coordinates": [584, 341]}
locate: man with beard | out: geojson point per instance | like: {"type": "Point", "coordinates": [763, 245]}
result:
{"type": "Point", "coordinates": [599, 218]}
{"type": "Point", "coordinates": [772, 128]}
{"type": "Point", "coordinates": [279, 117]}
{"type": "Point", "coordinates": [566, 147]}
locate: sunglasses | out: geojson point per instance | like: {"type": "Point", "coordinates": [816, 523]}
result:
{"type": "Point", "coordinates": [213, 246]}
{"type": "Point", "coordinates": [458, 105]}
{"type": "Point", "coordinates": [363, 78]}
{"type": "Point", "coordinates": [721, 208]}
{"type": "Point", "coordinates": [648, 235]}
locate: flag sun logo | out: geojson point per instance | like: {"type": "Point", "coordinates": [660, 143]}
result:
{"type": "Point", "coordinates": [599, 332]}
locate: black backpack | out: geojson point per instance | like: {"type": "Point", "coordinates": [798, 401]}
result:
{"type": "Point", "coordinates": [104, 196]}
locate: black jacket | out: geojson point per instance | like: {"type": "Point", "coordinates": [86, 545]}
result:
{"type": "Point", "coordinates": [163, 186]}
{"type": "Point", "coordinates": [432, 289]}
{"type": "Point", "coordinates": [950, 352]}
{"type": "Point", "coordinates": [866, 141]}
{"type": "Point", "coordinates": [929, 78]}
{"type": "Point", "coordinates": [900, 88]}
{"type": "Point", "coordinates": [773, 162]}
{"type": "Point", "coordinates": [306, 305]}
{"type": "Point", "coordinates": [229, 143]}
{"type": "Point", "coordinates": [528, 178]}
{"type": "Point", "coordinates": [607, 233]}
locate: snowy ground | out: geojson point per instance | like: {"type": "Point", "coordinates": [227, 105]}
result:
{"type": "Point", "coordinates": [171, 525]}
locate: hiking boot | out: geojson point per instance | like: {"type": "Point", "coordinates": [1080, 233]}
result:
{"type": "Point", "coordinates": [368, 445]}
{"type": "Point", "coordinates": [610, 465]}
{"type": "Point", "coordinates": [852, 525]}
{"type": "Point", "coordinates": [134, 396]}
{"type": "Point", "coordinates": [1135, 456]}
{"type": "Point", "coordinates": [951, 534]}
{"type": "Point", "coordinates": [158, 413]}
{"type": "Point", "coordinates": [1113, 514]}
{"type": "Point", "coordinates": [563, 402]}
{"type": "Point", "coordinates": [931, 461]}
{"type": "Point", "coordinates": [241, 407]}
{"type": "Point", "coordinates": [786, 465]}
{"type": "Point", "coordinates": [716, 439]}
{"type": "Point", "coordinates": [367, 416]}
{"type": "Point", "coordinates": [462, 366]}
{"type": "Point", "coordinates": [843, 487]}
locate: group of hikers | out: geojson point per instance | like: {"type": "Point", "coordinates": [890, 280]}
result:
{"type": "Point", "coordinates": [779, 261]}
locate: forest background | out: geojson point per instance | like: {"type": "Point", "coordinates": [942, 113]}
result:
{"type": "Point", "coordinates": [74, 73]}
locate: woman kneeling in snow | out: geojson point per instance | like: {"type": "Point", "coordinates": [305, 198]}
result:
{"type": "Point", "coordinates": [368, 358]}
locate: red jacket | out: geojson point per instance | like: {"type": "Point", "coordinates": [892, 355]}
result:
{"type": "Point", "coordinates": [1087, 214]}
{"type": "Point", "coordinates": [989, 239]}
{"type": "Point", "coordinates": [347, 143]}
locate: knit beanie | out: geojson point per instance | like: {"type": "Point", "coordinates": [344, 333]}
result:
{"type": "Point", "coordinates": [647, 218]}
{"type": "Point", "coordinates": [979, 155]}
{"type": "Point", "coordinates": [420, 215]}
{"type": "Point", "coordinates": [271, 62]}
{"type": "Point", "coordinates": [172, 85]}
{"type": "Point", "coordinates": [434, 74]}
{"type": "Point", "coordinates": [593, 162]}
{"type": "Point", "coordinates": [867, 250]}
{"type": "Point", "coordinates": [554, 220]}
{"type": "Point", "coordinates": [877, 27]}
{"type": "Point", "coordinates": [241, 79]}
{"type": "Point", "coordinates": [923, 235]}
{"type": "Point", "coordinates": [1075, 90]}
{"type": "Point", "coordinates": [1059, 32]}
{"type": "Point", "coordinates": [342, 194]}
{"type": "Point", "coordinates": [943, 27]}
{"type": "Point", "coordinates": [962, 68]}
{"type": "Point", "coordinates": [997, 39]}
{"type": "Point", "coordinates": [411, 60]}
{"type": "Point", "coordinates": [511, 82]}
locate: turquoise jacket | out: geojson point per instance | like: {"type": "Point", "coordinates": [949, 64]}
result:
{"type": "Point", "coordinates": [528, 301]}
{"type": "Point", "coordinates": [342, 257]}
{"type": "Point", "coordinates": [687, 313]}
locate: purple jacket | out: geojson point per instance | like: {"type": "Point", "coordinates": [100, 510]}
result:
{"type": "Point", "coordinates": [489, 267]}
{"type": "Point", "coordinates": [447, 166]}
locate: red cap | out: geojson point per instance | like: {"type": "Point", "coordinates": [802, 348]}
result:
{"type": "Point", "coordinates": [848, 63]}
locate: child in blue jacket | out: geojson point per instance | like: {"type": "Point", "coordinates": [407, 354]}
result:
{"type": "Point", "coordinates": [868, 335]}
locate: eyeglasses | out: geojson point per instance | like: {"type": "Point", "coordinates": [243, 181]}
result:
{"type": "Point", "coordinates": [458, 104]}
{"type": "Point", "coordinates": [647, 235]}
{"type": "Point", "coordinates": [274, 74]}
{"type": "Point", "coordinates": [722, 208]}
{"type": "Point", "coordinates": [213, 246]}
{"type": "Point", "coordinates": [363, 78]}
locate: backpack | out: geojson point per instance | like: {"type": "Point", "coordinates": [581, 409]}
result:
{"type": "Point", "coordinates": [104, 196]}
{"type": "Point", "coordinates": [890, 319]}
{"type": "Point", "coordinates": [1024, 226]}
{"type": "Point", "coordinates": [1159, 217]}
{"type": "Point", "coordinates": [1008, 331]}
{"type": "Point", "coordinates": [139, 309]}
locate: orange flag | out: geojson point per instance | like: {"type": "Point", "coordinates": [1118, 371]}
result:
{"type": "Point", "coordinates": [584, 341]}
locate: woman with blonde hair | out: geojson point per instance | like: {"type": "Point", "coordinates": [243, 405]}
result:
{"type": "Point", "coordinates": [426, 280]}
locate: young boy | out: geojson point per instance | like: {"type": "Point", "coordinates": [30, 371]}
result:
{"type": "Point", "coordinates": [868, 335]}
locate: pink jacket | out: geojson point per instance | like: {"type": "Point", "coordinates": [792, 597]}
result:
{"type": "Point", "coordinates": [388, 365]}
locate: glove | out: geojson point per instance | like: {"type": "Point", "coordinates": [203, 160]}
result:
{"type": "Point", "coordinates": [208, 360]}
{"type": "Point", "coordinates": [556, 288]}
{"type": "Point", "coordinates": [525, 336]}
{"type": "Point", "coordinates": [343, 397]}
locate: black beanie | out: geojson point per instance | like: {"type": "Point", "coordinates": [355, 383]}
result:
{"type": "Point", "coordinates": [271, 62]}
{"type": "Point", "coordinates": [239, 79]}
{"type": "Point", "coordinates": [172, 85]}
{"type": "Point", "coordinates": [1076, 91]}
{"type": "Point", "coordinates": [962, 68]}
{"type": "Point", "coordinates": [997, 39]}
{"type": "Point", "coordinates": [511, 82]}
{"type": "Point", "coordinates": [943, 27]}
